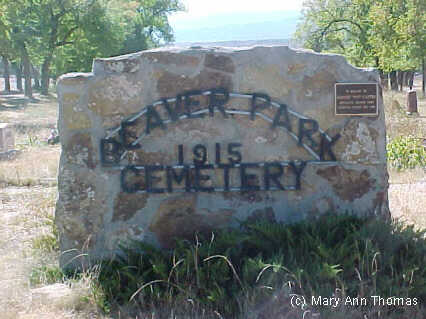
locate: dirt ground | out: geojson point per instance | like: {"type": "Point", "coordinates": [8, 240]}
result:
{"type": "Point", "coordinates": [24, 210]}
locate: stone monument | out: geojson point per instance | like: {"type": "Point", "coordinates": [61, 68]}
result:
{"type": "Point", "coordinates": [7, 138]}
{"type": "Point", "coordinates": [165, 143]}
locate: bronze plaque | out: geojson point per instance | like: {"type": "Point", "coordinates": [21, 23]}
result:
{"type": "Point", "coordinates": [356, 99]}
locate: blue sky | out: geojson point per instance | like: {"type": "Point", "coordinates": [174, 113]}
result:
{"type": "Point", "coordinates": [210, 20]}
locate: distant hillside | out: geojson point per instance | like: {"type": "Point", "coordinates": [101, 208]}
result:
{"type": "Point", "coordinates": [237, 27]}
{"type": "Point", "coordinates": [245, 43]}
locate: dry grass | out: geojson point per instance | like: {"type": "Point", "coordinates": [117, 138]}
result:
{"type": "Point", "coordinates": [34, 165]}
{"type": "Point", "coordinates": [42, 110]}
{"type": "Point", "coordinates": [27, 213]}
{"type": "Point", "coordinates": [32, 119]}
{"type": "Point", "coordinates": [36, 162]}
{"type": "Point", "coordinates": [407, 200]}
{"type": "Point", "coordinates": [24, 220]}
{"type": "Point", "coordinates": [397, 121]}
{"type": "Point", "coordinates": [407, 189]}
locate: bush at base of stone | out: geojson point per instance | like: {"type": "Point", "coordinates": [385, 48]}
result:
{"type": "Point", "coordinates": [256, 268]}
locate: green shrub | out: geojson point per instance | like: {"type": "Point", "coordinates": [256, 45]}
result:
{"type": "Point", "coordinates": [45, 275]}
{"type": "Point", "coordinates": [224, 271]}
{"type": "Point", "coordinates": [406, 152]}
{"type": "Point", "coordinates": [48, 242]}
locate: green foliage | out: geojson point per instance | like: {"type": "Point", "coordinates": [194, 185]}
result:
{"type": "Point", "coordinates": [338, 26]}
{"type": "Point", "coordinates": [406, 152]}
{"type": "Point", "coordinates": [98, 33]}
{"type": "Point", "coordinates": [399, 36]}
{"type": "Point", "coordinates": [48, 242]}
{"type": "Point", "coordinates": [5, 43]}
{"type": "Point", "coordinates": [149, 27]}
{"type": "Point", "coordinates": [46, 275]}
{"type": "Point", "coordinates": [390, 35]}
{"type": "Point", "coordinates": [66, 35]}
{"type": "Point", "coordinates": [360, 257]}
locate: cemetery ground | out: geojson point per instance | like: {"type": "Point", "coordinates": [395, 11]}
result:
{"type": "Point", "coordinates": [32, 286]}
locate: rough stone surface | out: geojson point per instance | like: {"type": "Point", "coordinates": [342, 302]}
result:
{"type": "Point", "coordinates": [220, 62]}
{"type": "Point", "coordinates": [127, 205]}
{"type": "Point", "coordinates": [171, 84]}
{"type": "Point", "coordinates": [95, 209]}
{"type": "Point", "coordinates": [179, 217]}
{"type": "Point", "coordinates": [74, 116]}
{"type": "Point", "coordinates": [80, 151]}
{"type": "Point", "coordinates": [348, 184]}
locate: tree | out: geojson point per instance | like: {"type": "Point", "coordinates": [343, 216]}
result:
{"type": "Point", "coordinates": [399, 37]}
{"type": "Point", "coordinates": [391, 33]}
{"type": "Point", "coordinates": [6, 73]}
{"type": "Point", "coordinates": [59, 20]}
{"type": "Point", "coordinates": [393, 51]}
{"type": "Point", "coordinates": [100, 33]}
{"type": "Point", "coordinates": [148, 24]}
{"type": "Point", "coordinates": [20, 17]}
{"type": "Point", "coordinates": [5, 46]}
{"type": "Point", "coordinates": [340, 26]}
{"type": "Point", "coordinates": [68, 34]}
{"type": "Point", "coordinates": [18, 68]}
{"type": "Point", "coordinates": [412, 29]}
{"type": "Point", "coordinates": [54, 32]}
{"type": "Point", "coordinates": [116, 27]}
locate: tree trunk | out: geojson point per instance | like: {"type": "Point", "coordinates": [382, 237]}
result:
{"type": "Point", "coordinates": [423, 77]}
{"type": "Point", "coordinates": [383, 79]}
{"type": "Point", "coordinates": [6, 74]}
{"type": "Point", "coordinates": [407, 78]}
{"type": "Point", "coordinates": [411, 80]}
{"type": "Point", "coordinates": [400, 78]}
{"type": "Point", "coordinates": [393, 81]}
{"type": "Point", "coordinates": [36, 76]}
{"type": "Point", "coordinates": [45, 68]}
{"type": "Point", "coordinates": [19, 77]}
{"type": "Point", "coordinates": [27, 72]}
{"type": "Point", "coordinates": [404, 79]}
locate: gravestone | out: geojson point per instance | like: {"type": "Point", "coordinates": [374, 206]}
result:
{"type": "Point", "coordinates": [169, 142]}
{"type": "Point", "coordinates": [7, 137]}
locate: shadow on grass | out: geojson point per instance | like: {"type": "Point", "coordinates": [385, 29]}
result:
{"type": "Point", "coordinates": [15, 100]}
{"type": "Point", "coordinates": [255, 272]}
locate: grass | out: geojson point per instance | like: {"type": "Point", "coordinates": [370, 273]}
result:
{"type": "Point", "coordinates": [29, 242]}
{"type": "Point", "coordinates": [398, 123]}
{"type": "Point", "coordinates": [48, 241]}
{"type": "Point", "coordinates": [76, 293]}
{"type": "Point", "coordinates": [233, 273]}
{"type": "Point", "coordinates": [254, 271]}
{"type": "Point", "coordinates": [36, 162]}
{"type": "Point", "coordinates": [34, 165]}
{"type": "Point", "coordinates": [46, 274]}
